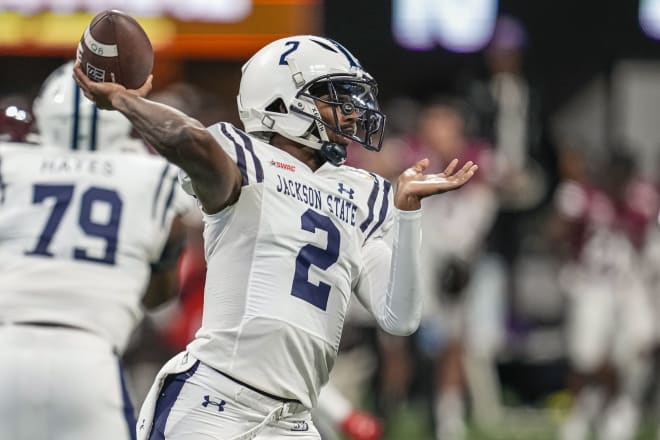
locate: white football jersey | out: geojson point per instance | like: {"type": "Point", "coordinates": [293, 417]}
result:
{"type": "Point", "coordinates": [78, 231]}
{"type": "Point", "coordinates": [282, 264]}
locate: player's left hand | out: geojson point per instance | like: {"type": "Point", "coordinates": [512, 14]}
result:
{"type": "Point", "coordinates": [413, 185]}
{"type": "Point", "coordinates": [102, 92]}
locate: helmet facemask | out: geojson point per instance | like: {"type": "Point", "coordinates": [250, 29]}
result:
{"type": "Point", "coordinates": [346, 95]}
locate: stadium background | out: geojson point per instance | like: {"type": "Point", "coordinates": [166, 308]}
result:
{"type": "Point", "coordinates": [595, 68]}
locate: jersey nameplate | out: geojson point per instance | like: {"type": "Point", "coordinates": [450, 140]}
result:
{"type": "Point", "coordinates": [341, 208]}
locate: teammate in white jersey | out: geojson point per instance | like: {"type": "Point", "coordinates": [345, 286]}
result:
{"type": "Point", "coordinates": [85, 231]}
{"type": "Point", "coordinates": [290, 233]}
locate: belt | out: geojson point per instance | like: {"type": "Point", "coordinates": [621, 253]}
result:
{"type": "Point", "coordinates": [256, 390]}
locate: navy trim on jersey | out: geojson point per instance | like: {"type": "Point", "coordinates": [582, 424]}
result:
{"type": "Point", "coordinates": [383, 207]}
{"type": "Point", "coordinates": [240, 154]}
{"type": "Point", "coordinates": [3, 184]}
{"type": "Point", "coordinates": [94, 128]}
{"type": "Point", "coordinates": [371, 202]}
{"type": "Point", "coordinates": [158, 188]}
{"type": "Point", "coordinates": [258, 169]}
{"type": "Point", "coordinates": [168, 202]}
{"type": "Point", "coordinates": [76, 117]}
{"type": "Point", "coordinates": [129, 411]}
{"type": "Point", "coordinates": [168, 395]}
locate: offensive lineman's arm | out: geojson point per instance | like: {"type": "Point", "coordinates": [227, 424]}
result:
{"type": "Point", "coordinates": [396, 300]}
{"type": "Point", "coordinates": [182, 140]}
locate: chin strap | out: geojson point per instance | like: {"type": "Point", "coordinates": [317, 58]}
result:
{"type": "Point", "coordinates": [333, 153]}
{"type": "Point", "coordinates": [329, 151]}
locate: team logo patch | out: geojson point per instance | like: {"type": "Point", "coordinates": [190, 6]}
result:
{"type": "Point", "coordinates": [220, 403]}
{"type": "Point", "coordinates": [343, 189]}
{"type": "Point", "coordinates": [95, 74]}
{"type": "Point", "coordinates": [284, 166]}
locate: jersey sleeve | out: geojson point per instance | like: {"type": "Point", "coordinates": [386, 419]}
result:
{"type": "Point", "coordinates": [389, 283]}
{"type": "Point", "coordinates": [169, 201]}
{"type": "Point", "coordinates": [379, 205]}
{"type": "Point", "coordinates": [239, 146]}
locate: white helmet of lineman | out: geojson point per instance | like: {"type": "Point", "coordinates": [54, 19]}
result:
{"type": "Point", "coordinates": [66, 119]}
{"type": "Point", "coordinates": [283, 81]}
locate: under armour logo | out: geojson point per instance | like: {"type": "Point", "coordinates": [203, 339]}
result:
{"type": "Point", "coordinates": [207, 401]}
{"type": "Point", "coordinates": [348, 190]}
{"type": "Point", "coordinates": [95, 74]}
{"type": "Point", "coordinates": [300, 425]}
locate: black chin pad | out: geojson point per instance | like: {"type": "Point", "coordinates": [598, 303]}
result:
{"type": "Point", "coordinates": [334, 153]}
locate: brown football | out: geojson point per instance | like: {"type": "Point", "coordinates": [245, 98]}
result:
{"type": "Point", "coordinates": [115, 48]}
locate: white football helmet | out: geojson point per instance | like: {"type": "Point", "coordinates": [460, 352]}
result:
{"type": "Point", "coordinates": [66, 119]}
{"type": "Point", "coordinates": [283, 81]}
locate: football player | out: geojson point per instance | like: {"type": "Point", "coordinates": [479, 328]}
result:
{"type": "Point", "coordinates": [15, 120]}
{"type": "Point", "coordinates": [610, 320]}
{"type": "Point", "coordinates": [88, 232]}
{"type": "Point", "coordinates": [290, 233]}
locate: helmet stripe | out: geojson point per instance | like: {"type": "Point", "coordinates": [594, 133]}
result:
{"type": "Point", "coordinates": [76, 117]}
{"type": "Point", "coordinates": [351, 60]}
{"type": "Point", "coordinates": [94, 128]}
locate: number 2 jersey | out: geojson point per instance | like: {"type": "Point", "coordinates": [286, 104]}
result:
{"type": "Point", "coordinates": [78, 232]}
{"type": "Point", "coordinates": [282, 263]}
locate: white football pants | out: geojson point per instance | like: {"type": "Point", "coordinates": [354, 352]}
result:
{"type": "Point", "coordinates": [202, 404]}
{"type": "Point", "coordinates": [60, 383]}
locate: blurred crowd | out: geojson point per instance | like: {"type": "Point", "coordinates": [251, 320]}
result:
{"type": "Point", "coordinates": [542, 274]}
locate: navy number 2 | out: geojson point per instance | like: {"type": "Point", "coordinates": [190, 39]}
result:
{"type": "Point", "coordinates": [294, 45]}
{"type": "Point", "coordinates": [317, 256]}
{"type": "Point", "coordinates": [108, 230]}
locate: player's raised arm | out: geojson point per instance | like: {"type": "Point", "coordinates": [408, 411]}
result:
{"type": "Point", "coordinates": [396, 300]}
{"type": "Point", "coordinates": [182, 140]}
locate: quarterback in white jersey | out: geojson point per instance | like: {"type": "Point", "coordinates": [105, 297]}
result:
{"type": "Point", "coordinates": [290, 233]}
{"type": "Point", "coordinates": [84, 228]}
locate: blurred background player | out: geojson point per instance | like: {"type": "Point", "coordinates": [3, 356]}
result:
{"type": "Point", "coordinates": [463, 324]}
{"type": "Point", "coordinates": [16, 119]}
{"type": "Point", "coordinates": [605, 220]}
{"type": "Point", "coordinates": [89, 234]}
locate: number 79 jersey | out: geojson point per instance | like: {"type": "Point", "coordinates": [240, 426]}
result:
{"type": "Point", "coordinates": [282, 264]}
{"type": "Point", "coordinates": [78, 231]}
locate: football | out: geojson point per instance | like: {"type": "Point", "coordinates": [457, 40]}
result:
{"type": "Point", "coordinates": [115, 48]}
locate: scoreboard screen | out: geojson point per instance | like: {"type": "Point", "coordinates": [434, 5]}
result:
{"type": "Point", "coordinates": [230, 29]}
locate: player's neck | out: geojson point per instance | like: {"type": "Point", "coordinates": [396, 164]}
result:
{"type": "Point", "coordinates": [304, 154]}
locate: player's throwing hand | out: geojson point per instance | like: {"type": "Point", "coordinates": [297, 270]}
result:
{"type": "Point", "coordinates": [102, 92]}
